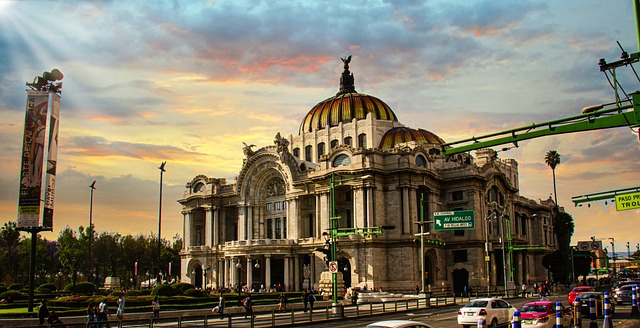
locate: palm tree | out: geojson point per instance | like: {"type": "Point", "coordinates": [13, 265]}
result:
{"type": "Point", "coordinates": [552, 159]}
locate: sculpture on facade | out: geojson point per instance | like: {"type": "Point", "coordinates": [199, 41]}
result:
{"type": "Point", "coordinates": [247, 149]}
{"type": "Point", "coordinates": [281, 143]}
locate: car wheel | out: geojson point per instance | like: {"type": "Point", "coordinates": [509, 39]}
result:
{"type": "Point", "coordinates": [494, 322]}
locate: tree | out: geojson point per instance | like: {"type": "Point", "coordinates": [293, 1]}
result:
{"type": "Point", "coordinates": [552, 159]}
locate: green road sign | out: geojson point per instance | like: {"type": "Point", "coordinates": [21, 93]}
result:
{"type": "Point", "coordinates": [628, 201]}
{"type": "Point", "coordinates": [454, 220]}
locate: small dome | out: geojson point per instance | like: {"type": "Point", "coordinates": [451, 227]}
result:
{"type": "Point", "coordinates": [400, 135]}
{"type": "Point", "coordinates": [346, 105]}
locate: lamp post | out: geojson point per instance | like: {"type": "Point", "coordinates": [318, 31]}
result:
{"type": "Point", "coordinates": [93, 187]}
{"type": "Point", "coordinates": [487, 257]}
{"type": "Point", "coordinates": [613, 250]}
{"type": "Point", "coordinates": [162, 170]}
{"type": "Point", "coordinates": [333, 227]}
{"type": "Point", "coordinates": [628, 250]}
{"type": "Point", "coordinates": [504, 254]}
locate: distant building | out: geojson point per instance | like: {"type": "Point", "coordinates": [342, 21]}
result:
{"type": "Point", "coordinates": [266, 227]}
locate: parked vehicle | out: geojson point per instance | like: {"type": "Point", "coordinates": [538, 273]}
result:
{"type": "Point", "coordinates": [542, 314]}
{"type": "Point", "coordinates": [585, 299]}
{"type": "Point", "coordinates": [577, 290]}
{"type": "Point", "coordinates": [623, 294]}
{"type": "Point", "coordinates": [398, 324]}
{"type": "Point", "coordinates": [493, 310]}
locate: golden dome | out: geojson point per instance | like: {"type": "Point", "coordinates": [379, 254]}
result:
{"type": "Point", "coordinates": [345, 106]}
{"type": "Point", "coordinates": [400, 135]}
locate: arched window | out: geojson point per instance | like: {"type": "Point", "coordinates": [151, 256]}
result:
{"type": "Point", "coordinates": [320, 150]}
{"type": "Point", "coordinates": [421, 161]}
{"type": "Point", "coordinates": [362, 140]}
{"type": "Point", "coordinates": [307, 153]}
{"type": "Point", "coordinates": [199, 187]}
{"type": "Point", "coordinates": [347, 141]}
{"type": "Point", "coordinates": [341, 160]}
{"type": "Point", "coordinates": [434, 151]}
{"type": "Point", "coordinates": [334, 143]}
{"type": "Point", "coordinates": [296, 153]}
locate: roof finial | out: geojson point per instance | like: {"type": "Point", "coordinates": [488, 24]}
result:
{"type": "Point", "coordinates": [346, 80]}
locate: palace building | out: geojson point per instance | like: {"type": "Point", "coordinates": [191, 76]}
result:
{"type": "Point", "coordinates": [352, 157]}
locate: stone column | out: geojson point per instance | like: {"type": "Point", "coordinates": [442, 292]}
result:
{"type": "Point", "coordinates": [216, 227]}
{"type": "Point", "coordinates": [208, 227]}
{"type": "Point", "coordinates": [249, 274]}
{"type": "Point", "coordinates": [267, 270]}
{"type": "Point", "coordinates": [296, 273]}
{"type": "Point", "coordinates": [249, 219]}
{"type": "Point", "coordinates": [186, 229]}
{"type": "Point", "coordinates": [406, 225]}
{"type": "Point", "coordinates": [287, 274]}
{"type": "Point", "coordinates": [242, 221]}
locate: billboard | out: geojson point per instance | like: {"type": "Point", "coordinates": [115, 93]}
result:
{"type": "Point", "coordinates": [39, 159]}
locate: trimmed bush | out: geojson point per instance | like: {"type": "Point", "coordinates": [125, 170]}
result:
{"type": "Point", "coordinates": [193, 292]}
{"type": "Point", "coordinates": [3, 288]}
{"type": "Point", "coordinates": [163, 290]}
{"type": "Point", "coordinates": [11, 295]}
{"type": "Point", "coordinates": [82, 287]}
{"type": "Point", "coordinates": [46, 288]}
{"type": "Point", "coordinates": [181, 287]}
{"type": "Point", "coordinates": [139, 292]}
{"type": "Point", "coordinates": [15, 286]}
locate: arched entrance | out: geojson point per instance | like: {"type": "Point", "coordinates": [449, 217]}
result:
{"type": "Point", "coordinates": [345, 267]}
{"type": "Point", "coordinates": [196, 277]}
{"type": "Point", "coordinates": [460, 280]}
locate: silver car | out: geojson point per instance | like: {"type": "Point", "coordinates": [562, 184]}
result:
{"type": "Point", "coordinates": [623, 294]}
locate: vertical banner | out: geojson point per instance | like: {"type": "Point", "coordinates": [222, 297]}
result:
{"type": "Point", "coordinates": [39, 158]}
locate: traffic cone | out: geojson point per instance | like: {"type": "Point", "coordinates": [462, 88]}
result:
{"type": "Point", "coordinates": [558, 314]}
{"type": "Point", "coordinates": [606, 323]}
{"type": "Point", "coordinates": [515, 323]}
{"type": "Point", "coordinates": [592, 312]}
{"type": "Point", "coordinates": [634, 300]}
{"type": "Point", "coordinates": [577, 313]}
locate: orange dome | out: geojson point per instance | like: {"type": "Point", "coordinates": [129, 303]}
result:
{"type": "Point", "coordinates": [400, 135]}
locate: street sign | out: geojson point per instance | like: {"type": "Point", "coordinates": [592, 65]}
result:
{"type": "Point", "coordinates": [593, 245]}
{"type": "Point", "coordinates": [454, 220]}
{"type": "Point", "coordinates": [333, 267]}
{"type": "Point", "coordinates": [628, 201]}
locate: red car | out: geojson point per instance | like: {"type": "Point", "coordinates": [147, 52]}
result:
{"type": "Point", "coordinates": [542, 314]}
{"type": "Point", "coordinates": [577, 290]}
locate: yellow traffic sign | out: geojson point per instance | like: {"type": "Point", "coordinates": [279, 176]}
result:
{"type": "Point", "coordinates": [628, 201]}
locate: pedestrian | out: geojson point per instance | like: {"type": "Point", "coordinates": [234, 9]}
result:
{"type": "Point", "coordinates": [312, 300]}
{"type": "Point", "coordinates": [155, 305]}
{"type": "Point", "coordinates": [120, 312]}
{"type": "Point", "coordinates": [91, 315]}
{"type": "Point", "coordinates": [305, 299]}
{"type": "Point", "coordinates": [43, 311]}
{"type": "Point", "coordinates": [246, 303]}
{"type": "Point", "coordinates": [465, 291]}
{"type": "Point", "coordinates": [54, 320]}
{"type": "Point", "coordinates": [417, 290]}
{"type": "Point", "coordinates": [103, 312]}
{"type": "Point", "coordinates": [354, 297]}
{"type": "Point", "coordinates": [282, 305]}
{"type": "Point", "coordinates": [221, 307]}
{"type": "Point", "coordinates": [524, 290]}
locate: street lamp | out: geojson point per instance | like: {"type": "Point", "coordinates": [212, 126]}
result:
{"type": "Point", "coordinates": [93, 187]}
{"type": "Point", "coordinates": [613, 249]}
{"type": "Point", "coordinates": [162, 170]}
{"type": "Point", "coordinates": [487, 257]}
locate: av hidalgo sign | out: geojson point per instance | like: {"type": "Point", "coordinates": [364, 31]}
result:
{"type": "Point", "coordinates": [39, 159]}
{"type": "Point", "coordinates": [454, 220]}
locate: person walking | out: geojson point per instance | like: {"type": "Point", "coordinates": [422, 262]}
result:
{"type": "Point", "coordinates": [305, 299]}
{"type": "Point", "coordinates": [155, 306]}
{"type": "Point", "coordinates": [43, 312]}
{"type": "Point", "coordinates": [524, 290]}
{"type": "Point", "coordinates": [247, 305]}
{"type": "Point", "coordinates": [91, 315]}
{"type": "Point", "coordinates": [120, 312]}
{"type": "Point", "coordinates": [282, 306]}
{"type": "Point", "coordinates": [103, 313]}
{"type": "Point", "coordinates": [312, 300]}
{"type": "Point", "coordinates": [221, 307]}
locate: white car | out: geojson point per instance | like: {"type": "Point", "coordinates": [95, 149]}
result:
{"type": "Point", "coordinates": [494, 311]}
{"type": "Point", "coordinates": [398, 324]}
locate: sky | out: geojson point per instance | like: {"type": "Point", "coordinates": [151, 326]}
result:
{"type": "Point", "coordinates": [187, 82]}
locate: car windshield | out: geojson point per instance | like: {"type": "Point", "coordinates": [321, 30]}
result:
{"type": "Point", "coordinates": [533, 308]}
{"type": "Point", "coordinates": [476, 304]}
